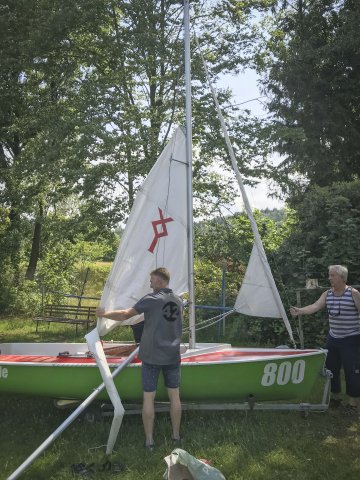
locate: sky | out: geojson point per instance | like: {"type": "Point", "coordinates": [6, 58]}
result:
{"type": "Point", "coordinates": [244, 87]}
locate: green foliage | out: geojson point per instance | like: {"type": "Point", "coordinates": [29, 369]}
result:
{"type": "Point", "coordinates": [65, 267]}
{"type": "Point", "coordinates": [312, 74]}
{"type": "Point", "coordinates": [227, 243]}
{"type": "Point", "coordinates": [91, 91]}
{"type": "Point", "coordinates": [24, 298]}
{"type": "Point", "coordinates": [8, 288]}
{"type": "Point", "coordinates": [231, 239]}
{"type": "Point", "coordinates": [208, 282]}
{"type": "Point", "coordinates": [57, 270]}
{"type": "Point", "coordinates": [39, 74]}
{"type": "Point", "coordinates": [326, 233]}
{"type": "Point", "coordinates": [97, 275]}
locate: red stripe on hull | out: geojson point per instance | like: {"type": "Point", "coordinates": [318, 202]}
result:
{"type": "Point", "coordinates": [231, 354]}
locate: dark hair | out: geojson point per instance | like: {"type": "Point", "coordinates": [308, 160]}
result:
{"type": "Point", "coordinates": [162, 272]}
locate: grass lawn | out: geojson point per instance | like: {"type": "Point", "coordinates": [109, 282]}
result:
{"type": "Point", "coordinates": [242, 445]}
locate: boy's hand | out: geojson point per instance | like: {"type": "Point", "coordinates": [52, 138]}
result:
{"type": "Point", "coordinates": [100, 311]}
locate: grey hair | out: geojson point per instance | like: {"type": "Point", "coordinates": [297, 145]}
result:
{"type": "Point", "coordinates": [340, 270]}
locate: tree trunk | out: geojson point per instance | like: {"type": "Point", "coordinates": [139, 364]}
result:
{"type": "Point", "coordinates": [35, 247]}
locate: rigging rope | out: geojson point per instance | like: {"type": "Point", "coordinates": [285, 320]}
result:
{"type": "Point", "coordinates": [210, 321]}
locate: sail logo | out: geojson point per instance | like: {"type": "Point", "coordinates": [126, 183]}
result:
{"type": "Point", "coordinates": [162, 233]}
{"type": "Point", "coordinates": [283, 373]}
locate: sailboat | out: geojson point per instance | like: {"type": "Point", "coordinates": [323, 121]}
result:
{"type": "Point", "coordinates": [155, 235]}
{"type": "Point", "coordinates": [159, 233]}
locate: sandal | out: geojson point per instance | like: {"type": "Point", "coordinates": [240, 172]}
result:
{"type": "Point", "coordinates": [149, 447]}
{"type": "Point", "coordinates": [111, 467]}
{"type": "Point", "coordinates": [105, 467]}
{"type": "Point", "coordinates": [82, 469]}
{"type": "Point", "coordinates": [79, 468]}
{"type": "Point", "coordinates": [350, 410]}
{"type": "Point", "coordinates": [117, 467]}
{"type": "Point", "coordinates": [177, 442]}
{"type": "Point", "coordinates": [335, 403]}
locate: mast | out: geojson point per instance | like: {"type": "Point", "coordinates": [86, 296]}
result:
{"type": "Point", "coordinates": [188, 127]}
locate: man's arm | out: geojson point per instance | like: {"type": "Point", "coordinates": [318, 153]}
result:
{"type": "Point", "coordinates": [356, 298]}
{"type": "Point", "coordinates": [309, 309]}
{"type": "Point", "coordinates": [117, 315]}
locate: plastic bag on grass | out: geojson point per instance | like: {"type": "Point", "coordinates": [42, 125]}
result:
{"type": "Point", "coordinates": [183, 466]}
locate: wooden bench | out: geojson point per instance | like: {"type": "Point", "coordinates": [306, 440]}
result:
{"type": "Point", "coordinates": [69, 314]}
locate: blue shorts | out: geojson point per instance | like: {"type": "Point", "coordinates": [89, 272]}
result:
{"type": "Point", "coordinates": [150, 375]}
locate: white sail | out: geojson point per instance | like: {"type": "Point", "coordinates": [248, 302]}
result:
{"type": "Point", "coordinates": [155, 234]}
{"type": "Point", "coordinates": [256, 296]}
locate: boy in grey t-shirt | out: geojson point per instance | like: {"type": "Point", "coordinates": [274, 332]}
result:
{"type": "Point", "coordinates": [159, 348]}
{"type": "Point", "coordinates": [160, 342]}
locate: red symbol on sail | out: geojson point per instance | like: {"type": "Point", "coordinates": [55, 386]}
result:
{"type": "Point", "coordinates": [163, 233]}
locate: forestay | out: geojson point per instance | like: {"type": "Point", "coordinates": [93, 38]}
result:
{"type": "Point", "coordinates": [258, 295]}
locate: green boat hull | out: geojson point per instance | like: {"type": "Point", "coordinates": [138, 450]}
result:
{"type": "Point", "coordinates": [276, 376]}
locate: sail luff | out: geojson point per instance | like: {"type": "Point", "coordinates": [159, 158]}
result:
{"type": "Point", "coordinates": [248, 209]}
{"type": "Point", "coordinates": [188, 125]}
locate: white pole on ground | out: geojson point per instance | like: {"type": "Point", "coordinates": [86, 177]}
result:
{"type": "Point", "coordinates": [69, 420]}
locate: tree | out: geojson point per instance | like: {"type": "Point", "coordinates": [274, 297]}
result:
{"type": "Point", "coordinates": [232, 239]}
{"type": "Point", "coordinates": [313, 77]}
{"type": "Point", "coordinates": [326, 233]}
{"type": "Point", "coordinates": [38, 72]}
{"type": "Point", "coordinates": [137, 72]}
{"type": "Point", "coordinates": [91, 91]}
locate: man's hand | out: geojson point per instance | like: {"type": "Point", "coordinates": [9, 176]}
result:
{"type": "Point", "coordinates": [294, 311]}
{"type": "Point", "coordinates": [100, 311]}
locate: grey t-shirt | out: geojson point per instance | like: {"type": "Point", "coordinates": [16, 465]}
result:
{"type": "Point", "coordinates": [160, 341]}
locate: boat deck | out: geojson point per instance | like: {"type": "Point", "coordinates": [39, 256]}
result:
{"type": "Point", "coordinates": [191, 356]}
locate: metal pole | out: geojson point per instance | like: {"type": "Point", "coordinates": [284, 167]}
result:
{"type": "Point", "coordinates": [223, 295]}
{"type": "Point", "coordinates": [301, 331]}
{"type": "Point", "coordinates": [69, 420]}
{"type": "Point", "coordinates": [83, 286]}
{"type": "Point", "coordinates": [192, 339]}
